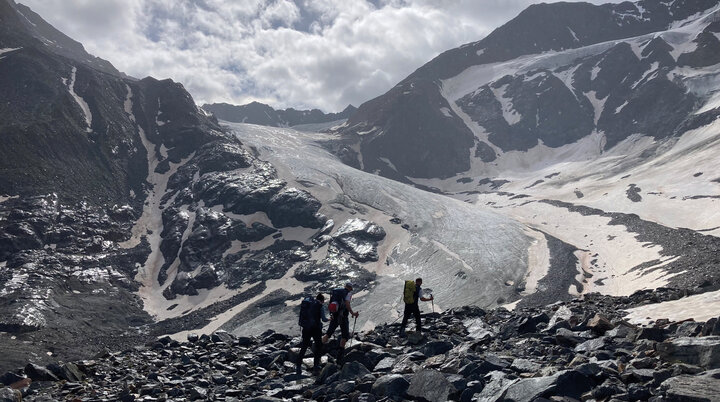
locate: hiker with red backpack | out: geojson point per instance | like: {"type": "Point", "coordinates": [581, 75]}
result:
{"type": "Point", "coordinates": [312, 315]}
{"type": "Point", "coordinates": [412, 292]}
{"type": "Point", "coordinates": [340, 310]}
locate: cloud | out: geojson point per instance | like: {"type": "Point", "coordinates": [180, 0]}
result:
{"type": "Point", "coordinates": [302, 53]}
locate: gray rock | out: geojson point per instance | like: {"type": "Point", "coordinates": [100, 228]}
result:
{"type": "Point", "coordinates": [414, 338]}
{"type": "Point", "coordinates": [10, 395]}
{"type": "Point", "coordinates": [529, 389]}
{"type": "Point", "coordinates": [360, 238]}
{"type": "Point", "coordinates": [39, 373]}
{"type": "Point", "coordinates": [222, 336]}
{"type": "Point", "coordinates": [565, 337]}
{"type": "Point", "coordinates": [404, 365]}
{"type": "Point", "coordinates": [344, 387]}
{"type": "Point", "coordinates": [294, 207]}
{"type": "Point", "coordinates": [436, 348]}
{"type": "Point", "coordinates": [690, 328]}
{"type": "Point", "coordinates": [591, 345]}
{"type": "Point", "coordinates": [686, 388]}
{"type": "Point", "coordinates": [364, 397]}
{"type": "Point", "coordinates": [390, 385]}
{"type": "Point", "coordinates": [711, 327]}
{"type": "Point", "coordinates": [326, 372]}
{"type": "Point", "coordinates": [653, 334]}
{"type": "Point", "coordinates": [525, 366]}
{"type": "Point", "coordinates": [431, 385]}
{"type": "Point", "coordinates": [497, 384]}
{"type": "Point", "coordinates": [386, 364]}
{"type": "Point", "coordinates": [703, 351]}
{"type": "Point", "coordinates": [353, 370]}
{"type": "Point", "coordinates": [600, 324]}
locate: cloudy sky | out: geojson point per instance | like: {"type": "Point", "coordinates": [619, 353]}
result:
{"type": "Point", "coordinates": [288, 53]}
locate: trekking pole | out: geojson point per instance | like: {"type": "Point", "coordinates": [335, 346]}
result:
{"type": "Point", "coordinates": [353, 331]}
{"type": "Point", "coordinates": [433, 304]}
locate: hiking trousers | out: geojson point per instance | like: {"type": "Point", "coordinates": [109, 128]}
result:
{"type": "Point", "coordinates": [310, 336]}
{"type": "Point", "coordinates": [343, 321]}
{"type": "Point", "coordinates": [411, 309]}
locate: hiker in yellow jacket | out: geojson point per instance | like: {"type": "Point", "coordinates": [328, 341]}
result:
{"type": "Point", "coordinates": [411, 294]}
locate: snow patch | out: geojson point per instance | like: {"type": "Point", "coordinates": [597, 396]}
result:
{"type": "Point", "coordinates": [621, 107]}
{"type": "Point", "coordinates": [538, 261]}
{"type": "Point", "coordinates": [598, 104]}
{"type": "Point", "coordinates": [17, 281]}
{"type": "Point", "coordinates": [78, 99]}
{"type": "Point", "coordinates": [8, 50]}
{"type": "Point", "coordinates": [653, 69]}
{"type": "Point", "coordinates": [700, 307]}
{"type": "Point", "coordinates": [575, 38]}
{"type": "Point", "coordinates": [446, 112]}
{"type": "Point", "coordinates": [368, 131]}
{"type": "Point", "coordinates": [509, 113]}
{"type": "Point", "coordinates": [389, 163]}
{"type": "Point", "coordinates": [712, 103]}
{"type": "Point", "coordinates": [4, 198]}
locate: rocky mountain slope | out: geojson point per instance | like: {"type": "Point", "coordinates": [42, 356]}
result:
{"type": "Point", "coordinates": [568, 351]}
{"type": "Point", "coordinates": [264, 115]}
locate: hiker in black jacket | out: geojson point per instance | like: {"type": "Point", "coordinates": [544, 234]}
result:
{"type": "Point", "coordinates": [414, 308]}
{"type": "Point", "coordinates": [312, 315]}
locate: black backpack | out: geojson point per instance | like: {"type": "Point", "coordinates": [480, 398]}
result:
{"type": "Point", "coordinates": [337, 300]}
{"type": "Point", "coordinates": [307, 317]}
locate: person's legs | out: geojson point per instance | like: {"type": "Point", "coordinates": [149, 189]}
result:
{"type": "Point", "coordinates": [317, 352]}
{"type": "Point", "coordinates": [406, 314]}
{"type": "Point", "coordinates": [418, 323]}
{"type": "Point", "coordinates": [331, 327]}
{"type": "Point", "coordinates": [345, 335]}
{"type": "Point", "coordinates": [306, 340]}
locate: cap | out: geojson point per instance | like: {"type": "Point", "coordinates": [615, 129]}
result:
{"type": "Point", "coordinates": [349, 285]}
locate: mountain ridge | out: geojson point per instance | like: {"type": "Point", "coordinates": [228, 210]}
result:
{"type": "Point", "coordinates": [262, 114]}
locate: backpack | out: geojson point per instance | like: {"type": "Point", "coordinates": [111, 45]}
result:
{"type": "Point", "coordinates": [307, 319]}
{"type": "Point", "coordinates": [409, 292]}
{"type": "Point", "coordinates": [337, 300]}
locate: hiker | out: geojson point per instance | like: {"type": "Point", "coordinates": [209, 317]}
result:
{"type": "Point", "coordinates": [312, 315]}
{"type": "Point", "coordinates": [340, 310]}
{"type": "Point", "coordinates": [411, 294]}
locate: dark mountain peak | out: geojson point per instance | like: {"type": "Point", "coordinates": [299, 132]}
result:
{"type": "Point", "coordinates": [349, 110]}
{"type": "Point", "coordinates": [26, 23]}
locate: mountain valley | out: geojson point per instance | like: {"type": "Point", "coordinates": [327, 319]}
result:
{"type": "Point", "coordinates": [566, 161]}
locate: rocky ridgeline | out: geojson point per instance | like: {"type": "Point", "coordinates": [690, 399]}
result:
{"type": "Point", "coordinates": [579, 350]}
